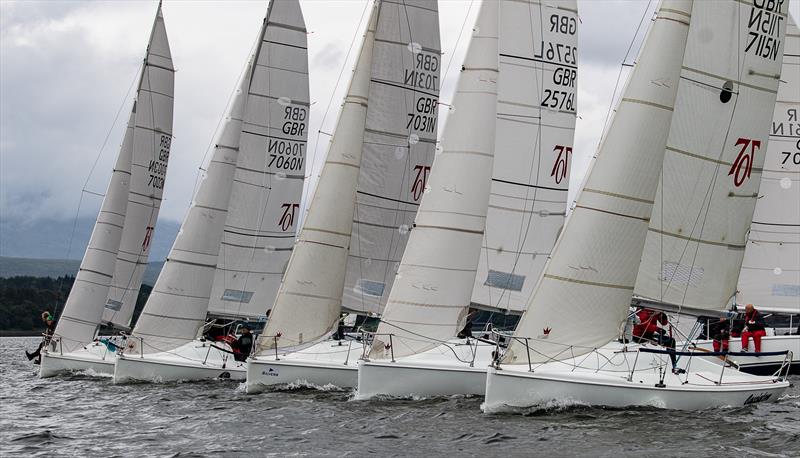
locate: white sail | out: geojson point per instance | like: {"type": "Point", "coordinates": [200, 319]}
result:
{"type": "Point", "coordinates": [435, 278]}
{"type": "Point", "coordinates": [265, 201]}
{"type": "Point", "coordinates": [84, 307]}
{"type": "Point", "coordinates": [309, 296]}
{"type": "Point", "coordinates": [152, 138]}
{"type": "Point", "coordinates": [770, 276]}
{"type": "Point", "coordinates": [398, 150]}
{"type": "Point", "coordinates": [176, 308]}
{"type": "Point", "coordinates": [583, 295]}
{"type": "Point", "coordinates": [533, 147]}
{"type": "Point", "coordinates": [84, 310]}
{"type": "Point", "coordinates": [715, 155]}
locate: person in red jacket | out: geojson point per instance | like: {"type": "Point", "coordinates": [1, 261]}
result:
{"type": "Point", "coordinates": [648, 329]}
{"type": "Point", "coordinates": [754, 326]}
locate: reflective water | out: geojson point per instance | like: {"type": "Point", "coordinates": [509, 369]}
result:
{"type": "Point", "coordinates": [80, 416]}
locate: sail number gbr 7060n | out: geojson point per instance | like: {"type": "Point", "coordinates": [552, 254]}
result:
{"type": "Point", "coordinates": [285, 153]}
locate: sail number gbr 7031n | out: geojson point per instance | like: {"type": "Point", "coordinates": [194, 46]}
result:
{"type": "Point", "coordinates": [286, 153]}
{"type": "Point", "coordinates": [157, 168]}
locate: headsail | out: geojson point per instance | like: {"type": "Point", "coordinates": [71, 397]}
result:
{"type": "Point", "coordinates": [584, 293]}
{"type": "Point", "coordinates": [711, 175]}
{"type": "Point", "coordinates": [84, 309]}
{"type": "Point", "coordinates": [770, 276]}
{"type": "Point", "coordinates": [152, 138]}
{"type": "Point", "coordinates": [379, 158]}
{"type": "Point", "coordinates": [434, 281]}
{"type": "Point", "coordinates": [265, 201]}
{"type": "Point", "coordinates": [535, 122]}
{"type": "Point", "coordinates": [176, 310]}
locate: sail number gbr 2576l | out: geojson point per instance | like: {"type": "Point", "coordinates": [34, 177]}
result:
{"type": "Point", "coordinates": [285, 153]}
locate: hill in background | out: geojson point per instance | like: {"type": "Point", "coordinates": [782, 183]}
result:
{"type": "Point", "coordinates": [54, 268]}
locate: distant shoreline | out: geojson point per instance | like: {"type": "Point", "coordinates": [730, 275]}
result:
{"type": "Point", "coordinates": [18, 333]}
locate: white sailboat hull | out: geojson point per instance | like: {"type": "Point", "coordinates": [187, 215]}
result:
{"type": "Point", "coordinates": [194, 361]}
{"type": "Point", "coordinates": [514, 387]}
{"type": "Point", "coordinates": [94, 359]}
{"type": "Point", "coordinates": [762, 365]}
{"type": "Point", "coordinates": [437, 372]}
{"type": "Point", "coordinates": [323, 365]}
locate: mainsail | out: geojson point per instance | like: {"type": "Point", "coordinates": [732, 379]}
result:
{"type": "Point", "coordinates": [378, 162]}
{"type": "Point", "coordinates": [434, 281]}
{"type": "Point", "coordinates": [399, 145]}
{"type": "Point", "coordinates": [698, 82]}
{"type": "Point", "coordinates": [770, 276]}
{"type": "Point", "coordinates": [265, 200]}
{"type": "Point", "coordinates": [535, 123]}
{"type": "Point", "coordinates": [152, 138]}
{"type": "Point", "coordinates": [176, 309]}
{"type": "Point", "coordinates": [84, 309]}
{"type": "Point", "coordinates": [710, 179]}
{"type": "Point", "coordinates": [584, 293]}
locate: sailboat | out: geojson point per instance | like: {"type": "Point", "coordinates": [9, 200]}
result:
{"type": "Point", "coordinates": [368, 193]}
{"type": "Point", "coordinates": [108, 281]}
{"type": "Point", "coordinates": [770, 274]}
{"type": "Point", "coordinates": [238, 233]}
{"type": "Point", "coordinates": [497, 202]}
{"type": "Point", "coordinates": [698, 102]}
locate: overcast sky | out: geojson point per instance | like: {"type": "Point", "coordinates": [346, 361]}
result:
{"type": "Point", "coordinates": [66, 66]}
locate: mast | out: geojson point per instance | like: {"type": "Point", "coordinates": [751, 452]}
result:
{"type": "Point", "coordinates": [152, 139]}
{"type": "Point", "coordinates": [84, 308]}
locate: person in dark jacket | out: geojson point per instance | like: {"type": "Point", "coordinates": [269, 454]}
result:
{"type": "Point", "coordinates": [243, 345]}
{"type": "Point", "coordinates": [754, 326]}
{"type": "Point", "coordinates": [50, 328]}
{"type": "Point", "coordinates": [720, 333]}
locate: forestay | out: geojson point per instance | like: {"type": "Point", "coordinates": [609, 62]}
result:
{"type": "Point", "coordinates": [152, 138]}
{"type": "Point", "coordinates": [583, 295]}
{"type": "Point", "coordinates": [715, 155]}
{"type": "Point", "coordinates": [770, 276]}
{"type": "Point", "coordinates": [265, 201]}
{"type": "Point", "coordinates": [434, 281]}
{"type": "Point", "coordinates": [399, 145]}
{"type": "Point", "coordinates": [535, 124]}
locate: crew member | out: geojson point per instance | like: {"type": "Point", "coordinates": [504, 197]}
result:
{"type": "Point", "coordinates": [754, 326]}
{"type": "Point", "coordinates": [50, 327]}
{"type": "Point", "coordinates": [720, 333]}
{"type": "Point", "coordinates": [648, 330]}
{"type": "Point", "coordinates": [243, 345]}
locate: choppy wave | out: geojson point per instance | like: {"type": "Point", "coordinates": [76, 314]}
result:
{"type": "Point", "coordinates": [81, 415]}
